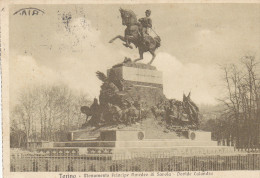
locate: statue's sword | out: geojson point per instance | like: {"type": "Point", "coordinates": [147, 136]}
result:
{"type": "Point", "coordinates": [154, 32]}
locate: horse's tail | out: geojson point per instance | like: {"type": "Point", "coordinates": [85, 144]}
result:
{"type": "Point", "coordinates": [158, 41]}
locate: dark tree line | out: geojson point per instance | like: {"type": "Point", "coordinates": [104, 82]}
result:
{"type": "Point", "coordinates": [46, 113]}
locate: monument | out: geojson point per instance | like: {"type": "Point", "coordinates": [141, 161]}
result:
{"type": "Point", "coordinates": [132, 114]}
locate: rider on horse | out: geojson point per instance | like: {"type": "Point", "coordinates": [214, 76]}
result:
{"type": "Point", "coordinates": [146, 23]}
{"type": "Point", "coordinates": [137, 33]}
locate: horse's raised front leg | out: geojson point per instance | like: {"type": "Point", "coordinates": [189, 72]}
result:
{"type": "Point", "coordinates": [127, 43]}
{"type": "Point", "coordinates": [118, 36]}
{"type": "Point", "coordinates": [124, 39]}
{"type": "Point", "coordinates": [153, 54]}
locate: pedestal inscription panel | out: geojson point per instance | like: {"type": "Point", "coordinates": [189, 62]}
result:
{"type": "Point", "coordinates": [139, 76]}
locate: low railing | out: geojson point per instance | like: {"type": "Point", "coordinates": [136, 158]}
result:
{"type": "Point", "coordinates": [132, 162]}
{"type": "Point", "coordinates": [248, 150]}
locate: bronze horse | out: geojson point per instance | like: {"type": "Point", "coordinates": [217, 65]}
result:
{"type": "Point", "coordinates": [133, 35]}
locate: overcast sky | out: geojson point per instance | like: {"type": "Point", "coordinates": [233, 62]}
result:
{"type": "Point", "coordinates": [196, 38]}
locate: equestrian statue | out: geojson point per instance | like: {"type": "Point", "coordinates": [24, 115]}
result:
{"type": "Point", "coordinates": [136, 32]}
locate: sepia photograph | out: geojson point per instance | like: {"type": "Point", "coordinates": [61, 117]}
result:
{"type": "Point", "coordinates": [130, 89]}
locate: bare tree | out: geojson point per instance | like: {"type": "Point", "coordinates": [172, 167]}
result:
{"type": "Point", "coordinates": [242, 102]}
{"type": "Point", "coordinates": [47, 112]}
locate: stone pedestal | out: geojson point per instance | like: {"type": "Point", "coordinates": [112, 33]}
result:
{"type": "Point", "coordinates": [145, 80]}
{"type": "Point", "coordinates": [142, 83]}
{"type": "Point", "coordinates": [114, 142]}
